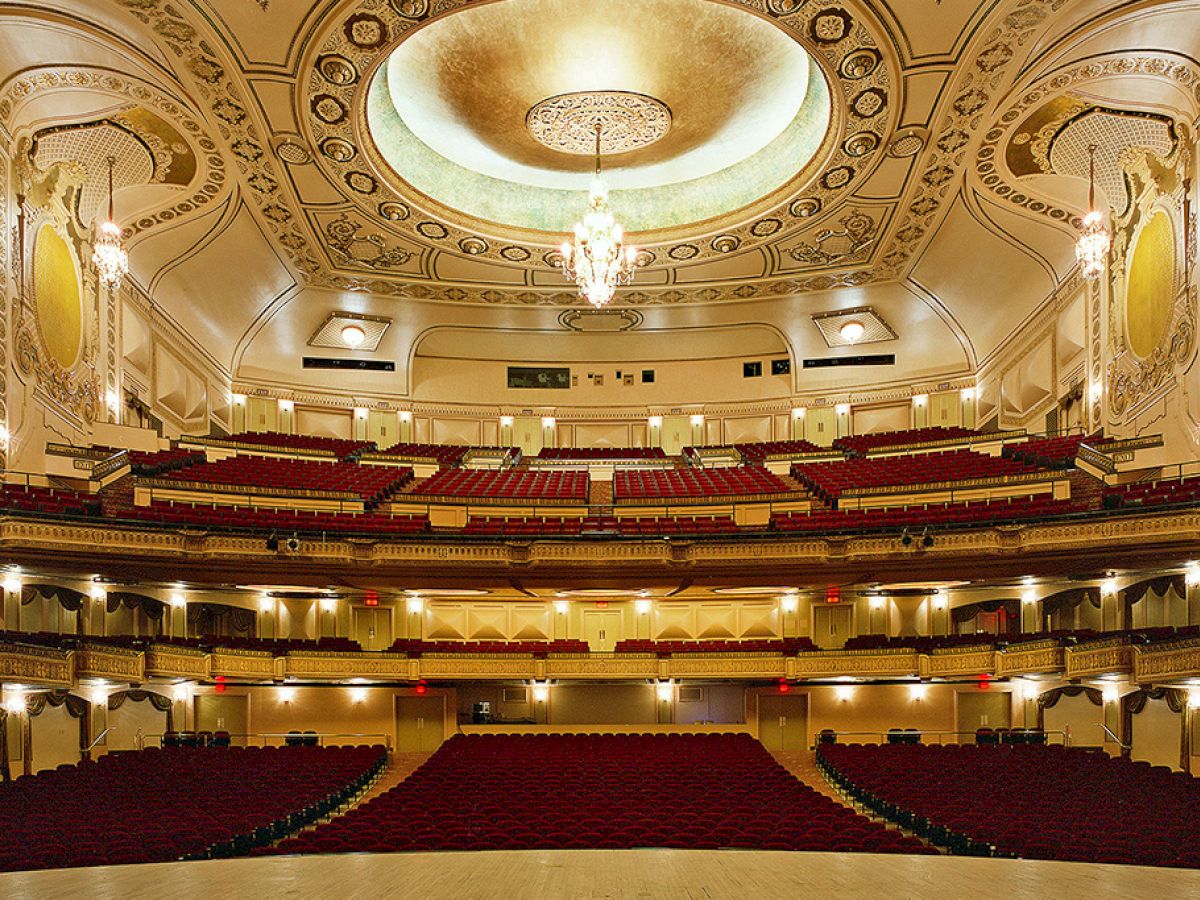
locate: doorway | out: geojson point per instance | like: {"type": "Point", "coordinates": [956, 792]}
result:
{"type": "Point", "coordinates": [602, 630]}
{"type": "Point", "coordinates": [372, 627]}
{"type": "Point", "coordinates": [420, 724]}
{"type": "Point", "coordinates": [224, 712]}
{"type": "Point", "coordinates": [981, 709]}
{"type": "Point", "coordinates": [783, 721]}
{"type": "Point", "coordinates": [832, 624]}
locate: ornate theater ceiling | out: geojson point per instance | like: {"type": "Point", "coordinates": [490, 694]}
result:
{"type": "Point", "coordinates": [774, 160]}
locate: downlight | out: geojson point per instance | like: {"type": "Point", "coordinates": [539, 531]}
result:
{"type": "Point", "coordinates": [353, 336]}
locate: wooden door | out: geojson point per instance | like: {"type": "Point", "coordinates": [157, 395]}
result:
{"type": "Point", "coordinates": [420, 724]}
{"type": "Point", "coordinates": [223, 712]}
{"type": "Point", "coordinates": [372, 627]}
{"type": "Point", "coordinates": [832, 624]}
{"type": "Point", "coordinates": [982, 709]}
{"type": "Point", "coordinates": [602, 630]}
{"type": "Point", "coordinates": [783, 721]}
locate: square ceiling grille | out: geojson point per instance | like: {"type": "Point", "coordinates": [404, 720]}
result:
{"type": "Point", "coordinates": [330, 332]}
{"type": "Point", "coordinates": [875, 329]}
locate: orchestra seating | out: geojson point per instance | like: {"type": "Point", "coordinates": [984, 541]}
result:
{"type": "Point", "coordinates": [415, 647]}
{"type": "Point", "coordinates": [517, 526]}
{"type": "Point", "coordinates": [786, 646]}
{"type": "Point", "coordinates": [47, 501]}
{"type": "Point", "coordinates": [983, 512]}
{"type": "Point", "coordinates": [372, 483]}
{"type": "Point", "coordinates": [445, 454]}
{"type": "Point", "coordinates": [864, 443]}
{"type": "Point", "coordinates": [832, 479]}
{"type": "Point", "coordinates": [342, 448]}
{"type": "Point", "coordinates": [736, 481]}
{"type": "Point", "coordinates": [1037, 802]}
{"type": "Point", "coordinates": [158, 805]}
{"type": "Point", "coordinates": [279, 520]}
{"type": "Point", "coordinates": [600, 454]}
{"type": "Point", "coordinates": [503, 484]}
{"type": "Point", "coordinates": [702, 791]}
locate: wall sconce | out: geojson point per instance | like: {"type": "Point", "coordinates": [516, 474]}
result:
{"type": "Point", "coordinates": [1029, 597]}
{"type": "Point", "coordinates": [641, 606]}
{"type": "Point", "coordinates": [238, 399]}
{"type": "Point", "coordinates": [789, 603]}
{"type": "Point", "coordinates": [1108, 587]}
{"type": "Point", "coordinates": [939, 600]}
{"type": "Point", "coordinates": [14, 704]}
{"type": "Point", "coordinates": [1111, 693]}
{"type": "Point", "coordinates": [328, 604]}
{"type": "Point", "coordinates": [654, 421]}
{"type": "Point", "coordinates": [1193, 698]}
{"type": "Point", "coordinates": [541, 692]}
{"type": "Point", "coordinates": [842, 409]}
{"type": "Point", "coordinates": [265, 604]}
{"type": "Point", "coordinates": [360, 412]}
{"type": "Point", "coordinates": [665, 691]}
{"type": "Point", "coordinates": [286, 694]}
{"type": "Point", "coordinates": [97, 592]}
{"type": "Point", "coordinates": [287, 405]}
{"type": "Point", "coordinates": [798, 412]}
{"type": "Point", "coordinates": [12, 581]}
{"type": "Point", "coordinates": [547, 421]}
{"type": "Point", "coordinates": [415, 604]}
{"type": "Point", "coordinates": [697, 420]}
{"type": "Point", "coordinates": [1191, 575]}
{"type": "Point", "coordinates": [843, 693]}
{"type": "Point", "coordinates": [920, 399]}
{"type": "Point", "coordinates": [562, 607]}
{"type": "Point", "coordinates": [917, 692]}
{"type": "Point", "coordinates": [878, 602]}
{"type": "Point", "coordinates": [969, 393]}
{"type": "Point", "coordinates": [506, 421]}
{"type": "Point", "coordinates": [178, 600]}
{"type": "Point", "coordinates": [405, 416]}
{"type": "Point", "coordinates": [358, 695]}
{"type": "Point", "coordinates": [182, 692]}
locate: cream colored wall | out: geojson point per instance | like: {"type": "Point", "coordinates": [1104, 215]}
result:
{"type": "Point", "coordinates": [602, 704]}
{"type": "Point", "coordinates": [1156, 733]}
{"type": "Point", "coordinates": [1079, 716]}
{"type": "Point", "coordinates": [55, 738]}
{"type": "Point", "coordinates": [125, 723]}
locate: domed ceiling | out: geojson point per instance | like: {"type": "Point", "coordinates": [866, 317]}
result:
{"type": "Point", "coordinates": [774, 161]}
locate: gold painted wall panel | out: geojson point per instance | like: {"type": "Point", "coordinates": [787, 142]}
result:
{"type": "Point", "coordinates": [59, 297]}
{"type": "Point", "coordinates": [1150, 296]}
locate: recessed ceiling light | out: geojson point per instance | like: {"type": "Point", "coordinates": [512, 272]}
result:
{"type": "Point", "coordinates": [852, 331]}
{"type": "Point", "coordinates": [353, 336]}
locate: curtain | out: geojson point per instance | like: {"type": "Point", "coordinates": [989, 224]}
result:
{"type": "Point", "coordinates": [1135, 592]}
{"type": "Point", "coordinates": [1050, 699]}
{"type": "Point", "coordinates": [154, 609]}
{"type": "Point", "coordinates": [214, 618]}
{"type": "Point", "coordinates": [1136, 702]}
{"type": "Point", "coordinates": [35, 704]}
{"type": "Point", "coordinates": [71, 600]}
{"type": "Point", "coordinates": [158, 701]}
{"type": "Point", "coordinates": [1070, 599]}
{"type": "Point", "coordinates": [1010, 608]}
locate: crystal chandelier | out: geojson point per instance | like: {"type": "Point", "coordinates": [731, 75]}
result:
{"type": "Point", "coordinates": [108, 254]}
{"type": "Point", "coordinates": [1091, 250]}
{"type": "Point", "coordinates": [596, 261]}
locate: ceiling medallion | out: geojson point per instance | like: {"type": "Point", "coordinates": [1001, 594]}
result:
{"type": "Point", "coordinates": [628, 121]}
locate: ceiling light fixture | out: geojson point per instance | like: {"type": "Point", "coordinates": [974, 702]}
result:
{"type": "Point", "coordinates": [597, 261]}
{"type": "Point", "coordinates": [852, 331]}
{"type": "Point", "coordinates": [353, 336]}
{"type": "Point", "coordinates": [1091, 250]}
{"type": "Point", "coordinates": [108, 254]}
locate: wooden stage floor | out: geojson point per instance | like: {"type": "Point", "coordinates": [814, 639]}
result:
{"type": "Point", "coordinates": [596, 874]}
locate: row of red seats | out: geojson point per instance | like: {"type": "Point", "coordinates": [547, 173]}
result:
{"type": "Point", "coordinates": [414, 647]}
{"type": "Point", "coordinates": [1056, 452]}
{"type": "Point", "coordinates": [1165, 492]}
{"type": "Point", "coordinates": [757, 452]}
{"type": "Point", "coordinates": [601, 453]}
{"type": "Point", "coordinates": [287, 521]}
{"type": "Point", "coordinates": [48, 501]}
{"type": "Point", "coordinates": [506, 483]}
{"type": "Point", "coordinates": [372, 483]}
{"type": "Point", "coordinates": [1036, 802]}
{"type": "Point", "coordinates": [990, 512]}
{"type": "Point", "coordinates": [491, 792]}
{"type": "Point", "coordinates": [862, 443]}
{"type": "Point", "coordinates": [655, 526]}
{"type": "Point", "coordinates": [786, 646]}
{"type": "Point", "coordinates": [161, 461]}
{"type": "Point", "coordinates": [278, 647]}
{"type": "Point", "coordinates": [732, 481]}
{"type": "Point", "coordinates": [444, 454]}
{"type": "Point", "coordinates": [831, 479]}
{"type": "Point", "coordinates": [339, 447]}
{"type": "Point", "coordinates": [161, 805]}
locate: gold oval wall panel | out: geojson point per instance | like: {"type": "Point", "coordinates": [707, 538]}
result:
{"type": "Point", "coordinates": [58, 297]}
{"type": "Point", "coordinates": [1150, 292]}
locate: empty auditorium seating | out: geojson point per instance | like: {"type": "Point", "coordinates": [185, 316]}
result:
{"type": "Point", "coordinates": [922, 644]}
{"type": "Point", "coordinates": [162, 461]}
{"type": "Point", "coordinates": [1039, 802]}
{"type": "Point", "coordinates": [982, 512]}
{"type": "Point", "coordinates": [863, 443]}
{"type": "Point", "coordinates": [491, 792]}
{"type": "Point", "coordinates": [786, 646]}
{"type": "Point", "coordinates": [371, 483]}
{"type": "Point", "coordinates": [159, 805]}
{"type": "Point", "coordinates": [47, 501]}
{"type": "Point", "coordinates": [506, 484]}
{"type": "Point", "coordinates": [517, 526]}
{"type": "Point", "coordinates": [733, 481]}
{"type": "Point", "coordinates": [599, 454]}
{"type": "Point", "coordinates": [283, 521]}
{"type": "Point", "coordinates": [339, 447]}
{"type": "Point", "coordinates": [1163, 492]}
{"type": "Point", "coordinates": [1056, 452]}
{"type": "Point", "coordinates": [648, 526]}
{"type": "Point", "coordinates": [832, 479]}
{"type": "Point", "coordinates": [445, 454]}
{"type": "Point", "coordinates": [757, 452]}
{"type": "Point", "coordinates": [279, 647]}
{"type": "Point", "coordinates": [415, 647]}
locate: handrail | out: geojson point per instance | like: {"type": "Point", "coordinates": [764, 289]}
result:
{"type": "Point", "coordinates": [1113, 736]}
{"type": "Point", "coordinates": [385, 739]}
{"type": "Point", "coordinates": [101, 736]}
{"type": "Point", "coordinates": [930, 733]}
